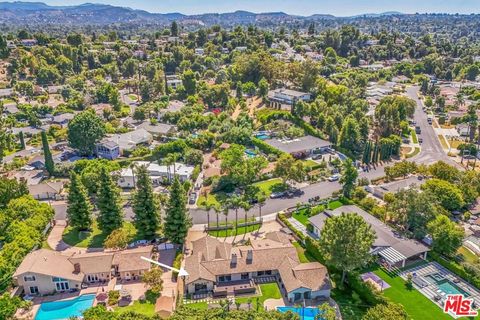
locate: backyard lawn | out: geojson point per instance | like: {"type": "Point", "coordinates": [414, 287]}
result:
{"type": "Point", "coordinates": [93, 239]}
{"type": "Point", "coordinates": [197, 305]}
{"type": "Point", "coordinates": [145, 307]}
{"type": "Point", "coordinates": [334, 204]}
{"type": "Point", "coordinates": [467, 255]}
{"type": "Point", "coordinates": [416, 304]}
{"type": "Point", "coordinates": [269, 291]}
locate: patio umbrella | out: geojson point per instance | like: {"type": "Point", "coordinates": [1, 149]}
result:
{"type": "Point", "coordinates": [102, 297]}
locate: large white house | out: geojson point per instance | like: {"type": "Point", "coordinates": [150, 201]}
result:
{"type": "Point", "coordinates": [286, 98]}
{"type": "Point", "coordinates": [157, 172]}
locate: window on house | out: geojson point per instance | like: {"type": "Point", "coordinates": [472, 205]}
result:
{"type": "Point", "coordinates": [200, 286]}
{"type": "Point", "coordinates": [268, 272]}
{"type": "Point", "coordinates": [260, 273]}
{"type": "Point", "coordinates": [29, 278]}
{"type": "Point", "coordinates": [34, 290]}
{"type": "Point", "coordinates": [56, 279]}
{"type": "Point", "coordinates": [244, 276]}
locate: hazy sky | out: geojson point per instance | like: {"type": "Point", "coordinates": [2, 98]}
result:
{"type": "Point", "coordinates": [301, 7]}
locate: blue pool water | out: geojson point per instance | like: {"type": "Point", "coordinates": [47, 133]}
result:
{"type": "Point", "coordinates": [250, 153]}
{"type": "Point", "coordinates": [262, 136]}
{"type": "Point", "coordinates": [57, 310]}
{"type": "Point", "coordinates": [450, 288]}
{"type": "Point", "coordinates": [304, 313]}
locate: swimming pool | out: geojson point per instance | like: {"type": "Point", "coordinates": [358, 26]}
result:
{"type": "Point", "coordinates": [262, 136]}
{"type": "Point", "coordinates": [450, 288]}
{"type": "Point", "coordinates": [65, 309]}
{"type": "Point", "coordinates": [304, 313]}
{"type": "Point", "coordinates": [250, 153]}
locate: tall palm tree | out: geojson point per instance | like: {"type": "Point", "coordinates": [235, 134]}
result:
{"type": "Point", "coordinates": [208, 207]}
{"type": "Point", "coordinates": [236, 203]}
{"type": "Point", "coordinates": [262, 198]}
{"type": "Point", "coordinates": [133, 166]}
{"type": "Point", "coordinates": [246, 206]}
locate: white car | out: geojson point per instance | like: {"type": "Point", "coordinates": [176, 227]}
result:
{"type": "Point", "coordinates": [335, 177]}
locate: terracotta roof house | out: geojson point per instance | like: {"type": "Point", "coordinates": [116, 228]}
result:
{"type": "Point", "coordinates": [221, 269]}
{"type": "Point", "coordinates": [45, 271]}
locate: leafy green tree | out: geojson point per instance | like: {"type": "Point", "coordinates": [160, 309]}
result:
{"type": "Point", "coordinates": [74, 39]}
{"type": "Point", "coordinates": [145, 205]}
{"type": "Point", "coordinates": [412, 210]}
{"type": "Point", "coordinates": [49, 164]}
{"type": "Point", "coordinates": [391, 311]}
{"type": "Point", "coordinates": [79, 209]}
{"type": "Point", "coordinates": [110, 216]}
{"type": "Point", "coordinates": [348, 178]}
{"type": "Point", "coordinates": [11, 189]}
{"type": "Point", "coordinates": [349, 138]}
{"type": "Point", "coordinates": [84, 131]}
{"type": "Point", "coordinates": [174, 29]}
{"type": "Point", "coordinates": [448, 195]}
{"type": "Point", "coordinates": [153, 280]}
{"type": "Point", "coordinates": [9, 305]}
{"type": "Point", "coordinates": [447, 236]}
{"type": "Point", "coordinates": [119, 239]}
{"type": "Point", "coordinates": [263, 88]}
{"type": "Point", "coordinates": [22, 140]}
{"type": "Point", "coordinates": [189, 82]}
{"type": "Point", "coordinates": [176, 215]}
{"type": "Point", "coordinates": [3, 47]}
{"type": "Point", "coordinates": [346, 241]}
{"type": "Point", "coordinates": [290, 169]}
{"type": "Point", "coordinates": [444, 171]}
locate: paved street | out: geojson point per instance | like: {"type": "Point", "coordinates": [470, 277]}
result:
{"type": "Point", "coordinates": [431, 149]}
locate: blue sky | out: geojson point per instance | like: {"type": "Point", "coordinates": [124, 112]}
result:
{"type": "Point", "coordinates": [301, 7]}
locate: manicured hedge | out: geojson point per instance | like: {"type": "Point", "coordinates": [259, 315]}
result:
{"type": "Point", "coordinates": [300, 235]}
{"type": "Point", "coordinates": [265, 147]}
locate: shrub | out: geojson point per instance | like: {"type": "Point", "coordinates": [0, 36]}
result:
{"type": "Point", "coordinates": [266, 148]}
{"type": "Point", "coordinates": [113, 297]}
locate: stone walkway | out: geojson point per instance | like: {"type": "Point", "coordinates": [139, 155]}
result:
{"type": "Point", "coordinates": [300, 227]}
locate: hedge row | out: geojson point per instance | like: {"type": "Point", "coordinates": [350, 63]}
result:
{"type": "Point", "coordinates": [265, 147]}
{"type": "Point", "coordinates": [456, 268]}
{"type": "Point", "coordinates": [282, 218]}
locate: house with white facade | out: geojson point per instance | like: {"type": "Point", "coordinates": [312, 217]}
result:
{"type": "Point", "coordinates": [158, 173]}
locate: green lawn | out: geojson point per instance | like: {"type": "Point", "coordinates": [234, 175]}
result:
{"type": "Point", "coordinates": [302, 216]}
{"type": "Point", "coordinates": [467, 255]}
{"type": "Point", "coordinates": [335, 204]}
{"type": "Point", "coordinates": [197, 305]}
{"type": "Point", "coordinates": [93, 239]}
{"type": "Point", "coordinates": [416, 304]}
{"type": "Point", "coordinates": [268, 186]}
{"type": "Point", "coordinates": [145, 307]}
{"type": "Point", "coordinates": [414, 136]}
{"type": "Point", "coordinates": [269, 291]}
{"type": "Point", "coordinates": [234, 231]}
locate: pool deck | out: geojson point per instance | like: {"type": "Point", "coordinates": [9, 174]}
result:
{"type": "Point", "coordinates": [37, 301]}
{"type": "Point", "coordinates": [431, 290]}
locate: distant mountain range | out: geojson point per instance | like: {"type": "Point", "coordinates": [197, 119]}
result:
{"type": "Point", "coordinates": [89, 13]}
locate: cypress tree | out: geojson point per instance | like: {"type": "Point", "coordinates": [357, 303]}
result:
{"type": "Point", "coordinates": [22, 140]}
{"type": "Point", "coordinates": [79, 210]}
{"type": "Point", "coordinates": [49, 165]}
{"type": "Point", "coordinates": [145, 206]}
{"type": "Point", "coordinates": [110, 216]}
{"type": "Point", "coordinates": [176, 219]}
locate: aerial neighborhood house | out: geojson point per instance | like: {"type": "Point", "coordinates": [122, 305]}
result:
{"type": "Point", "coordinates": [30, 176]}
{"type": "Point", "coordinates": [5, 93]}
{"type": "Point", "coordinates": [379, 191]}
{"type": "Point", "coordinates": [300, 147]}
{"type": "Point", "coordinates": [393, 249]}
{"type": "Point", "coordinates": [28, 42]}
{"type": "Point", "coordinates": [158, 173]}
{"type": "Point", "coordinates": [107, 149]}
{"type": "Point", "coordinates": [46, 190]}
{"type": "Point", "coordinates": [173, 81]}
{"type": "Point", "coordinates": [63, 119]}
{"type": "Point", "coordinates": [158, 129]}
{"type": "Point", "coordinates": [129, 141]}
{"type": "Point", "coordinates": [285, 99]}
{"type": "Point", "coordinates": [173, 106]}
{"type": "Point", "coordinates": [199, 51]}
{"type": "Point", "coordinates": [45, 272]}
{"type": "Point", "coordinates": [216, 267]}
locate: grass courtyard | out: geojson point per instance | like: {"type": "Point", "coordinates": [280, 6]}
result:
{"type": "Point", "coordinates": [303, 214]}
{"type": "Point", "coordinates": [91, 239]}
{"type": "Point", "coordinates": [269, 291]}
{"type": "Point", "coordinates": [416, 304]}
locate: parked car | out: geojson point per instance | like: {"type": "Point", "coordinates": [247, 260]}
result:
{"type": "Point", "coordinates": [294, 193]}
{"type": "Point", "coordinates": [316, 157]}
{"type": "Point", "coordinates": [193, 198]}
{"type": "Point", "coordinates": [277, 195]}
{"type": "Point", "coordinates": [335, 177]}
{"type": "Point", "coordinates": [420, 140]}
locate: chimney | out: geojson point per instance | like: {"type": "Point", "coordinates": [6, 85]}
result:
{"type": "Point", "coordinates": [76, 267]}
{"type": "Point", "coordinates": [249, 256]}
{"type": "Point", "coordinates": [233, 262]}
